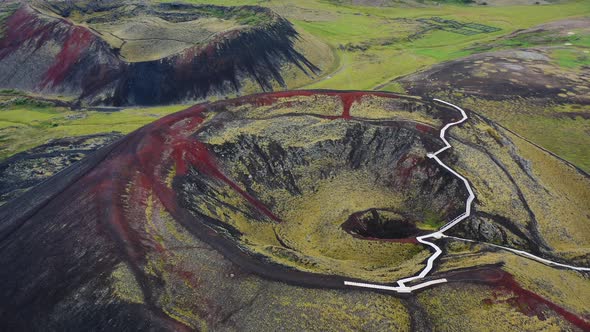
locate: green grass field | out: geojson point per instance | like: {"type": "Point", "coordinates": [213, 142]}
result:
{"type": "Point", "coordinates": [549, 127]}
{"type": "Point", "coordinates": [385, 30]}
{"type": "Point", "coordinates": [23, 127]}
{"type": "Point", "coordinates": [340, 24]}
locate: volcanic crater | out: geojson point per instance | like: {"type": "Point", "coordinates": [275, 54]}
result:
{"type": "Point", "coordinates": [320, 182]}
{"type": "Point", "coordinates": [134, 53]}
{"type": "Point", "coordinates": [300, 170]}
{"type": "Point", "coordinates": [309, 188]}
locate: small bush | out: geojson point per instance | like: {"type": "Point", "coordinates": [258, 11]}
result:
{"type": "Point", "coordinates": [10, 92]}
{"type": "Point", "coordinates": [26, 101]}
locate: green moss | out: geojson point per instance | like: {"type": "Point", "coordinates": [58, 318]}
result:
{"type": "Point", "coordinates": [433, 220]}
{"type": "Point", "coordinates": [571, 58]}
{"type": "Point", "coordinates": [439, 55]}
{"type": "Point", "coordinates": [11, 92]}
{"type": "Point", "coordinates": [25, 101]}
{"type": "Point", "coordinates": [329, 310]}
{"type": "Point", "coordinates": [494, 134]}
{"type": "Point", "coordinates": [187, 317]}
{"type": "Point", "coordinates": [524, 40]}
{"type": "Point", "coordinates": [244, 16]}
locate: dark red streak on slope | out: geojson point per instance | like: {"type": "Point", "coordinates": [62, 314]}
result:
{"type": "Point", "coordinates": [24, 27]}
{"type": "Point", "coordinates": [348, 99]}
{"type": "Point", "coordinates": [139, 166]}
{"type": "Point", "coordinates": [172, 138]}
{"type": "Point", "coordinates": [529, 303]}
{"type": "Point", "coordinates": [144, 160]}
{"type": "Point", "coordinates": [411, 240]}
{"type": "Point", "coordinates": [201, 157]}
{"type": "Point", "coordinates": [526, 298]}
{"type": "Point", "coordinates": [109, 189]}
{"type": "Point", "coordinates": [140, 192]}
{"type": "Point", "coordinates": [424, 128]}
{"type": "Point", "coordinates": [75, 44]}
{"type": "Point", "coordinates": [187, 57]}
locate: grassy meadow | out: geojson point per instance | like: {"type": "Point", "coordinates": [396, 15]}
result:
{"type": "Point", "coordinates": [23, 126]}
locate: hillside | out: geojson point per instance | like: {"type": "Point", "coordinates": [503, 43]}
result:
{"type": "Point", "coordinates": [120, 54]}
{"type": "Point", "coordinates": [534, 82]}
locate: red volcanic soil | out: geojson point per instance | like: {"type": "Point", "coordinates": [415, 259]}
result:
{"type": "Point", "coordinates": [525, 301]}
{"type": "Point", "coordinates": [19, 28]}
{"type": "Point", "coordinates": [24, 27]}
{"type": "Point", "coordinates": [45, 54]}
{"type": "Point", "coordinates": [424, 128]}
{"type": "Point", "coordinates": [173, 139]}
{"type": "Point", "coordinates": [77, 41]}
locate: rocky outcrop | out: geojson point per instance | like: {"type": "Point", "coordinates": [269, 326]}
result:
{"type": "Point", "coordinates": [389, 154]}
{"type": "Point", "coordinates": [27, 169]}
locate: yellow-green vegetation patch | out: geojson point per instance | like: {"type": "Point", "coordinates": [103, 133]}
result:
{"type": "Point", "coordinates": [433, 221]}
{"type": "Point", "coordinates": [125, 285]}
{"type": "Point", "coordinates": [566, 288]}
{"type": "Point", "coordinates": [401, 109]}
{"type": "Point", "coordinates": [462, 254]}
{"type": "Point", "coordinates": [571, 57]}
{"type": "Point", "coordinates": [312, 130]}
{"type": "Point", "coordinates": [179, 299]}
{"type": "Point", "coordinates": [317, 104]}
{"type": "Point", "coordinates": [330, 310]}
{"type": "Point", "coordinates": [173, 265]}
{"type": "Point", "coordinates": [471, 311]}
{"type": "Point", "coordinates": [562, 216]}
{"type": "Point", "coordinates": [559, 286]}
{"type": "Point", "coordinates": [498, 196]}
{"type": "Point", "coordinates": [561, 129]}
{"type": "Point", "coordinates": [145, 38]}
{"type": "Point", "coordinates": [555, 193]}
{"type": "Point", "coordinates": [310, 220]}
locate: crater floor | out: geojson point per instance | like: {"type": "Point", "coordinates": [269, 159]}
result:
{"type": "Point", "coordinates": [311, 168]}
